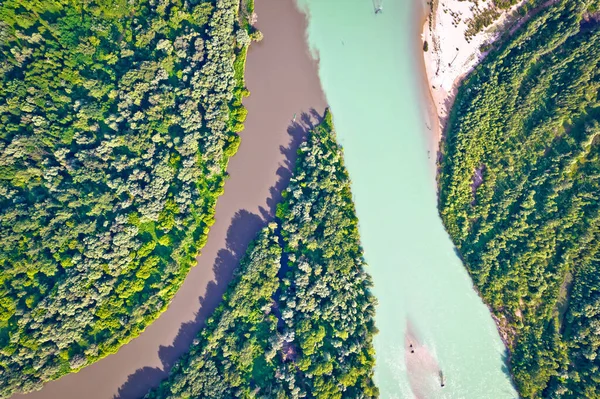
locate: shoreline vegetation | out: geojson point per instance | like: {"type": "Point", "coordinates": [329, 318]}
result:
{"type": "Point", "coordinates": [298, 317]}
{"type": "Point", "coordinates": [518, 193]}
{"type": "Point", "coordinates": [456, 36]}
{"type": "Point", "coordinates": [168, 84]}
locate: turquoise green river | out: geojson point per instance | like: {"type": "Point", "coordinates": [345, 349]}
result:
{"type": "Point", "coordinates": [426, 299]}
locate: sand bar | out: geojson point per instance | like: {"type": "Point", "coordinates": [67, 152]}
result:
{"type": "Point", "coordinates": [283, 81]}
{"type": "Point", "coordinates": [451, 56]}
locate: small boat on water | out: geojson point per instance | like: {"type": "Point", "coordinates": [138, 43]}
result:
{"type": "Point", "coordinates": [378, 6]}
{"type": "Point", "coordinates": [442, 380]}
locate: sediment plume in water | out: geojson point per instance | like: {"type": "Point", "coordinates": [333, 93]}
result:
{"type": "Point", "coordinates": [424, 373]}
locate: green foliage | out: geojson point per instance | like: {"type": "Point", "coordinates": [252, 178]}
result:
{"type": "Point", "coordinates": [300, 331]}
{"type": "Point", "coordinates": [116, 124]}
{"type": "Point", "coordinates": [482, 18]}
{"type": "Point", "coordinates": [504, 4]}
{"type": "Point", "coordinates": [519, 194]}
{"type": "Point", "coordinates": [249, 6]}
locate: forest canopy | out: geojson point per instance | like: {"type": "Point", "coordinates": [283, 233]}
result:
{"type": "Point", "coordinates": [117, 120]}
{"type": "Point", "coordinates": [519, 187]}
{"type": "Point", "coordinates": [298, 318]}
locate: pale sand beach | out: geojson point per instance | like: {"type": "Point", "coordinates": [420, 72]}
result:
{"type": "Point", "coordinates": [283, 81]}
{"type": "Point", "coordinates": [451, 56]}
{"type": "Point", "coordinates": [428, 102]}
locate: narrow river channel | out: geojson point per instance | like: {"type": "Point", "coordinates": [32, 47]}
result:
{"type": "Point", "coordinates": [283, 81]}
{"type": "Point", "coordinates": [369, 70]}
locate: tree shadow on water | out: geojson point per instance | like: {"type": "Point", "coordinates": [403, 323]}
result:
{"type": "Point", "coordinates": [458, 255]}
{"type": "Point", "coordinates": [298, 132]}
{"type": "Point", "coordinates": [140, 382]}
{"type": "Point", "coordinates": [243, 228]}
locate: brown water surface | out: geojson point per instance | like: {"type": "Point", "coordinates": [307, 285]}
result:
{"type": "Point", "coordinates": [283, 81]}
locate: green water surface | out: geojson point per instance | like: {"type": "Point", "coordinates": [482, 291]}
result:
{"type": "Point", "coordinates": [370, 78]}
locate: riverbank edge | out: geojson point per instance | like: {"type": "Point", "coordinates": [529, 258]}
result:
{"type": "Point", "coordinates": [437, 102]}
{"type": "Point", "coordinates": [230, 149]}
{"type": "Point", "coordinates": [425, 12]}
{"type": "Point", "coordinates": [422, 15]}
{"type": "Point", "coordinates": [436, 123]}
{"type": "Point", "coordinates": [220, 219]}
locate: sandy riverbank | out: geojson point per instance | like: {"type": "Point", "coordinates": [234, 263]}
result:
{"type": "Point", "coordinates": [450, 56]}
{"type": "Point", "coordinates": [283, 81]}
{"type": "Point", "coordinates": [432, 121]}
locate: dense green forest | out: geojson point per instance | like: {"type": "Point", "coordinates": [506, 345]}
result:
{"type": "Point", "coordinates": [519, 186]}
{"type": "Point", "coordinates": [117, 122]}
{"type": "Point", "coordinates": [297, 319]}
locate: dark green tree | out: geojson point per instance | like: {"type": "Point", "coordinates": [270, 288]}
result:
{"type": "Point", "coordinates": [117, 120]}
{"type": "Point", "coordinates": [519, 194]}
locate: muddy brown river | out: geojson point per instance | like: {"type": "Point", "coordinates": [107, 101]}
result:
{"type": "Point", "coordinates": [283, 81]}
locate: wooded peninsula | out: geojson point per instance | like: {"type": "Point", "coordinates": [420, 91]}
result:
{"type": "Point", "coordinates": [298, 318]}
{"type": "Point", "coordinates": [519, 195]}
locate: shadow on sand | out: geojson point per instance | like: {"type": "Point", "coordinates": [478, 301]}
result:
{"type": "Point", "coordinates": [243, 228]}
